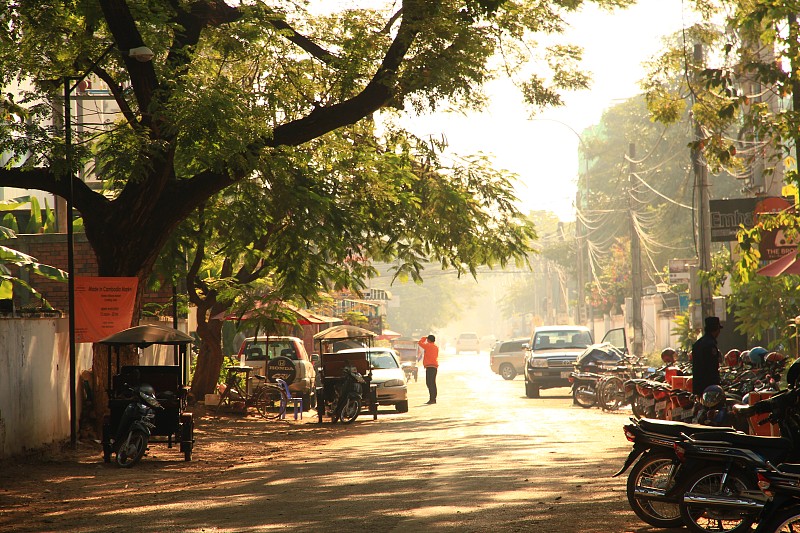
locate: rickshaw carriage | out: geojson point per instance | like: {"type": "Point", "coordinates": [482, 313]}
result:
{"type": "Point", "coordinates": [332, 366]}
{"type": "Point", "coordinates": [172, 424]}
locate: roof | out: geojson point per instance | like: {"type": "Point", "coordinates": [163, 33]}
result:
{"type": "Point", "coordinates": [146, 335]}
{"type": "Point", "coordinates": [344, 332]}
{"type": "Point", "coordinates": [274, 338]}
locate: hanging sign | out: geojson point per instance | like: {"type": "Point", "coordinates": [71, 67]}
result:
{"type": "Point", "coordinates": [103, 306]}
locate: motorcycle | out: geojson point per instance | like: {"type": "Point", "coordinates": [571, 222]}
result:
{"type": "Point", "coordinates": [781, 484]}
{"type": "Point", "coordinates": [718, 479]}
{"type": "Point", "coordinates": [654, 462]}
{"type": "Point", "coordinates": [136, 425]}
{"type": "Point", "coordinates": [349, 397]}
{"type": "Point", "coordinates": [584, 388]}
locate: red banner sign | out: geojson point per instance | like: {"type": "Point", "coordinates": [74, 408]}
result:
{"type": "Point", "coordinates": [103, 306]}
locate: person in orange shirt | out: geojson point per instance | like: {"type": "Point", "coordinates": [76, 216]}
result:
{"type": "Point", "coordinates": [430, 360]}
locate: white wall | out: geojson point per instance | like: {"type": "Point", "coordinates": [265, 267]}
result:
{"type": "Point", "coordinates": [34, 382]}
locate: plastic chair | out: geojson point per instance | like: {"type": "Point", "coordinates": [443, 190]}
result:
{"type": "Point", "coordinates": [296, 402]}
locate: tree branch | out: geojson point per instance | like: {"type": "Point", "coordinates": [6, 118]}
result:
{"type": "Point", "coordinates": [303, 42]}
{"type": "Point", "coordinates": [376, 94]}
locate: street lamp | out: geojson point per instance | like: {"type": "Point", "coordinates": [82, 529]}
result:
{"type": "Point", "coordinates": [579, 309]}
{"type": "Point", "coordinates": [140, 53]}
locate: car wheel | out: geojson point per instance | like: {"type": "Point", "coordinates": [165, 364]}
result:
{"type": "Point", "coordinates": [508, 371]}
{"type": "Point", "coordinates": [401, 407]}
{"type": "Point", "coordinates": [531, 390]}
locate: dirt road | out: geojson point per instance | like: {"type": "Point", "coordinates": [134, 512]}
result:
{"type": "Point", "coordinates": [485, 458]}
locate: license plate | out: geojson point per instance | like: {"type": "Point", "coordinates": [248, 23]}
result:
{"type": "Point", "coordinates": [648, 402]}
{"type": "Point", "coordinates": [566, 374]}
{"type": "Point", "coordinates": [661, 406]}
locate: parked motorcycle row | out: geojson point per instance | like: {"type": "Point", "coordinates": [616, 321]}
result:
{"type": "Point", "coordinates": [723, 477]}
{"type": "Point", "coordinates": [665, 393]}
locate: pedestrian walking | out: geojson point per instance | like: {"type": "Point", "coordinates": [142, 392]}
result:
{"type": "Point", "coordinates": [706, 357]}
{"type": "Point", "coordinates": [430, 360]}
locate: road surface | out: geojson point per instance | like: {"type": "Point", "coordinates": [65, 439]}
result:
{"type": "Point", "coordinates": [484, 458]}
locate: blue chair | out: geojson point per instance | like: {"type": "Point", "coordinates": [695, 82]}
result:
{"type": "Point", "coordinates": [297, 403]}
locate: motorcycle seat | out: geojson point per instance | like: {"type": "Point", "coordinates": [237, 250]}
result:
{"type": "Point", "coordinates": [674, 429]}
{"type": "Point", "coordinates": [769, 446]}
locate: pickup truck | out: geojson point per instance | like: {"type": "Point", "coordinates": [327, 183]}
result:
{"type": "Point", "coordinates": [552, 350]}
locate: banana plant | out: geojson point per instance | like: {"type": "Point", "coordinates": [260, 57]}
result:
{"type": "Point", "coordinates": [40, 221]}
{"type": "Point", "coordinates": [12, 258]}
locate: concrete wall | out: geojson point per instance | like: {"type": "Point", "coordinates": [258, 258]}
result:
{"type": "Point", "coordinates": [34, 382]}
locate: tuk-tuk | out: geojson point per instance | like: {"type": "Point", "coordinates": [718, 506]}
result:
{"type": "Point", "coordinates": [331, 366]}
{"type": "Point", "coordinates": [172, 424]}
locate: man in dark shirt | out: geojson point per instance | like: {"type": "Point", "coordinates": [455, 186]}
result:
{"type": "Point", "coordinates": [706, 357]}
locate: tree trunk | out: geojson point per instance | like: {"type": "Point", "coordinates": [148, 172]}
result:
{"type": "Point", "coordinates": [209, 361]}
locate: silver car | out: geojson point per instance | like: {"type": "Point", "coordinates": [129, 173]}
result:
{"type": "Point", "coordinates": [387, 375]}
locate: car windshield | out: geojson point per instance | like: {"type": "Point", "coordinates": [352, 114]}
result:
{"type": "Point", "coordinates": [559, 339]}
{"type": "Point", "coordinates": [382, 360]}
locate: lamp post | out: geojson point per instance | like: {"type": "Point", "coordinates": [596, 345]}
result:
{"type": "Point", "coordinates": [143, 54]}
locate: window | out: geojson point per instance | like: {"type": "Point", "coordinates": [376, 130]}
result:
{"type": "Point", "coordinates": [568, 338]}
{"type": "Point", "coordinates": [260, 351]}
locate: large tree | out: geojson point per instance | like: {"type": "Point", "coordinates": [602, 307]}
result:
{"type": "Point", "coordinates": [231, 84]}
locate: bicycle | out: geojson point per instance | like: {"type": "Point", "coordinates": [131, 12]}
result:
{"type": "Point", "coordinates": [269, 399]}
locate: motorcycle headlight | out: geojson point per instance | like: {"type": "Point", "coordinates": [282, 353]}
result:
{"type": "Point", "coordinates": [394, 383]}
{"type": "Point", "coordinates": [538, 363]}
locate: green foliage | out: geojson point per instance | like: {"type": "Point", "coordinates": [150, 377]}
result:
{"type": "Point", "coordinates": [355, 318]}
{"type": "Point", "coordinates": [10, 257]}
{"type": "Point", "coordinates": [682, 329]}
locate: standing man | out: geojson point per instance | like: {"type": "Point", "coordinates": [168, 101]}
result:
{"type": "Point", "coordinates": [706, 357]}
{"type": "Point", "coordinates": [430, 360]}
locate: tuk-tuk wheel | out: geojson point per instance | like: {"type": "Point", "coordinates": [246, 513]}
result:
{"type": "Point", "coordinates": [107, 439]}
{"type": "Point", "coordinates": [187, 436]}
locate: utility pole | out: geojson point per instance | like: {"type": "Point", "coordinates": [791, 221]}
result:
{"type": "Point", "coordinates": [636, 260]}
{"type": "Point", "coordinates": [704, 214]}
{"type": "Point", "coordinates": [580, 246]}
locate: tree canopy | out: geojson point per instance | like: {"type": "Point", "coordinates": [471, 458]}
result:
{"type": "Point", "coordinates": [229, 85]}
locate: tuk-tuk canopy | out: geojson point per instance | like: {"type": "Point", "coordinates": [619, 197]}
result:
{"type": "Point", "coordinates": [146, 335]}
{"type": "Point", "coordinates": [606, 352]}
{"type": "Point", "coordinates": [341, 332]}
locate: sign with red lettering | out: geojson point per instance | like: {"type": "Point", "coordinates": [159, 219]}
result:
{"type": "Point", "coordinates": [103, 306]}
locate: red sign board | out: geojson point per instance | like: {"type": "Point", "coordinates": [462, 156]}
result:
{"type": "Point", "coordinates": [103, 306]}
{"type": "Point", "coordinates": [774, 243]}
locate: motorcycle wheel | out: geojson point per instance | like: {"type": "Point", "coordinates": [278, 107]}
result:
{"type": "Point", "coordinates": [350, 410]}
{"type": "Point", "coordinates": [784, 520]}
{"type": "Point", "coordinates": [611, 394]}
{"type": "Point", "coordinates": [652, 471]}
{"type": "Point", "coordinates": [638, 407]}
{"type": "Point", "coordinates": [132, 450]}
{"type": "Point", "coordinates": [585, 401]}
{"type": "Point", "coordinates": [703, 518]}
